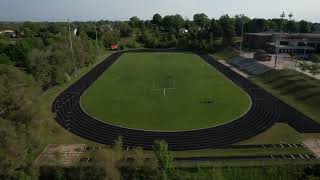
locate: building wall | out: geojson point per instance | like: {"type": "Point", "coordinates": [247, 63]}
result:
{"type": "Point", "coordinates": [256, 41]}
{"type": "Point", "coordinates": [294, 41]}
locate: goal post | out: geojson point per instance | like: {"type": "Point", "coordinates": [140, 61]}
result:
{"type": "Point", "coordinates": [164, 89]}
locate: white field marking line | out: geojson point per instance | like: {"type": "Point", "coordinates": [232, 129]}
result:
{"type": "Point", "coordinates": [157, 89]}
{"type": "Point", "coordinates": [84, 146]}
{"type": "Point", "coordinates": [164, 89]}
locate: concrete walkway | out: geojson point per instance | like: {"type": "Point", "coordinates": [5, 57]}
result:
{"type": "Point", "coordinates": [283, 62]}
{"type": "Point", "coordinates": [234, 69]}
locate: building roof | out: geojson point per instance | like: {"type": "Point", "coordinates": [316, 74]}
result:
{"type": "Point", "coordinates": [260, 34]}
{"type": "Point", "coordinates": [292, 47]}
{"type": "Point", "coordinates": [298, 35]}
{"type": "Point", "coordinates": [6, 31]}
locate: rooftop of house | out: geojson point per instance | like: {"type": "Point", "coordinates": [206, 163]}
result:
{"type": "Point", "coordinates": [6, 31]}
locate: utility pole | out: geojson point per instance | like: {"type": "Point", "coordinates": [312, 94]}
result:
{"type": "Point", "coordinates": [71, 46]}
{"type": "Point", "coordinates": [305, 49]}
{"type": "Point", "coordinates": [277, 43]}
{"type": "Point", "coordinates": [290, 16]}
{"type": "Point", "coordinates": [242, 33]}
{"type": "Point", "coordinates": [283, 15]}
{"type": "Point", "coordinates": [97, 43]}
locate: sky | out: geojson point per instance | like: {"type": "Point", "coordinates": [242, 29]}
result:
{"type": "Point", "coordinates": [83, 10]}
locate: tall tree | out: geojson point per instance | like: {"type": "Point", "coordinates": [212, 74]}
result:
{"type": "Point", "coordinates": [304, 27]}
{"type": "Point", "coordinates": [228, 31]}
{"type": "Point", "coordinates": [157, 19]}
{"type": "Point", "coordinates": [239, 22]}
{"type": "Point", "coordinates": [201, 20]}
{"type": "Point", "coordinates": [18, 91]}
{"type": "Point", "coordinates": [215, 28]}
{"type": "Point", "coordinates": [125, 29]}
{"type": "Point", "coordinates": [291, 26]}
{"type": "Point", "coordinates": [258, 25]}
{"type": "Point", "coordinates": [164, 157]}
{"type": "Point", "coordinates": [134, 22]}
{"type": "Point", "coordinates": [173, 23]}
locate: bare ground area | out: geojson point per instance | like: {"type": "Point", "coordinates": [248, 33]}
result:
{"type": "Point", "coordinates": [313, 144]}
{"type": "Point", "coordinates": [60, 154]}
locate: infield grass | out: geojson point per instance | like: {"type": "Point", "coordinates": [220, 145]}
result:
{"type": "Point", "coordinates": [165, 92]}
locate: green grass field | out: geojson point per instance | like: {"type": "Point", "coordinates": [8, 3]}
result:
{"type": "Point", "coordinates": [131, 93]}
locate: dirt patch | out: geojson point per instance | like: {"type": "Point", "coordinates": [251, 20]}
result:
{"type": "Point", "coordinates": [313, 145]}
{"type": "Point", "coordinates": [60, 154]}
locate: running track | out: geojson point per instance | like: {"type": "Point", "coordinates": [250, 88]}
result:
{"type": "Point", "coordinates": [265, 111]}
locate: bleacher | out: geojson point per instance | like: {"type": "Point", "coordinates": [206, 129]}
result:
{"type": "Point", "coordinates": [250, 66]}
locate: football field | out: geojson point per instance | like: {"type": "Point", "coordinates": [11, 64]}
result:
{"type": "Point", "coordinates": [165, 92]}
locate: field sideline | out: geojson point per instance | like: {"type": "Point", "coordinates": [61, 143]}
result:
{"type": "Point", "coordinates": [164, 91]}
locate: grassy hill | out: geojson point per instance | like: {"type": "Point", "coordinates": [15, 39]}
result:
{"type": "Point", "coordinates": [297, 89]}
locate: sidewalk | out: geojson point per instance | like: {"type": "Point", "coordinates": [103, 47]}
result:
{"type": "Point", "coordinates": [234, 69]}
{"type": "Point", "coordinates": [283, 62]}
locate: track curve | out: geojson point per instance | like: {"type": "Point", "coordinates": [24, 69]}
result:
{"type": "Point", "coordinates": [264, 112]}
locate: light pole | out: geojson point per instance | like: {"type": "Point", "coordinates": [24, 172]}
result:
{"type": "Point", "coordinates": [71, 46]}
{"type": "Point", "coordinates": [97, 45]}
{"type": "Point", "coordinates": [283, 15]}
{"type": "Point", "coordinates": [241, 43]}
{"type": "Point", "coordinates": [305, 48]}
{"type": "Point", "coordinates": [277, 52]}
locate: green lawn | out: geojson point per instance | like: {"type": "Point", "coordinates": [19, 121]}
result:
{"type": "Point", "coordinates": [131, 93]}
{"type": "Point", "coordinates": [225, 54]}
{"type": "Point", "coordinates": [241, 152]}
{"type": "Point", "coordinates": [296, 89]}
{"type": "Point", "coordinates": [278, 133]}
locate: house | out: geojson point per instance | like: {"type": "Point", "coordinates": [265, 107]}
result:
{"type": "Point", "coordinates": [10, 33]}
{"type": "Point", "coordinates": [183, 30]}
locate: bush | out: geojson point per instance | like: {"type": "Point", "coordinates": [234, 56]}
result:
{"type": "Point", "coordinates": [72, 173]}
{"type": "Point", "coordinates": [4, 59]}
